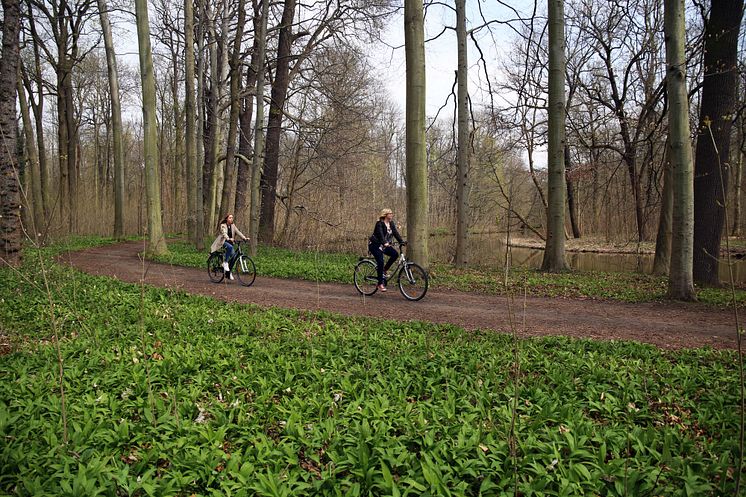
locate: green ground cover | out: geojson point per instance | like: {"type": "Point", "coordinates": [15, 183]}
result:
{"type": "Point", "coordinates": [171, 394]}
{"type": "Point", "coordinates": [326, 267]}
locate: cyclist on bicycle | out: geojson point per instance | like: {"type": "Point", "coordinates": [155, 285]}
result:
{"type": "Point", "coordinates": [228, 232]}
{"type": "Point", "coordinates": [380, 243]}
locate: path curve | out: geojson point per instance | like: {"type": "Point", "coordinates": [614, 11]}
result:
{"type": "Point", "coordinates": [668, 325]}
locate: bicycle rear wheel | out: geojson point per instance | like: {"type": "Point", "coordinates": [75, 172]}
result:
{"type": "Point", "coordinates": [245, 270]}
{"type": "Point", "coordinates": [413, 281]}
{"type": "Point", "coordinates": [366, 277]}
{"type": "Point", "coordinates": [215, 267]}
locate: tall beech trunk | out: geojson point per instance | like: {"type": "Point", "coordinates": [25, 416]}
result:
{"type": "Point", "coordinates": [246, 133]}
{"type": "Point", "coordinates": [554, 252]}
{"type": "Point", "coordinates": [416, 157]}
{"type": "Point", "coordinates": [156, 240]}
{"type": "Point", "coordinates": [680, 280]}
{"type": "Point", "coordinates": [10, 205]}
{"type": "Point", "coordinates": [462, 179]}
{"type": "Point", "coordinates": [227, 202]}
{"type": "Point", "coordinates": [195, 224]}
{"type": "Point", "coordinates": [116, 121]}
{"type": "Point", "coordinates": [712, 157]}
{"type": "Point", "coordinates": [274, 125]}
{"type": "Point", "coordinates": [256, 166]}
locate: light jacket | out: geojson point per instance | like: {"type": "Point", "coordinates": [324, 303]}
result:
{"type": "Point", "coordinates": [223, 236]}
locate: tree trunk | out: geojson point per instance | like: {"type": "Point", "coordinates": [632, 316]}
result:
{"type": "Point", "coordinates": [156, 240]}
{"type": "Point", "coordinates": [116, 122]}
{"type": "Point", "coordinates": [416, 156]}
{"type": "Point", "coordinates": [37, 106]}
{"type": "Point", "coordinates": [737, 194]}
{"type": "Point", "coordinates": [680, 280]}
{"type": "Point", "coordinates": [10, 206]}
{"type": "Point", "coordinates": [571, 204]}
{"type": "Point", "coordinates": [200, 128]}
{"type": "Point", "coordinates": [227, 201]}
{"type": "Point", "coordinates": [462, 180]}
{"type": "Point", "coordinates": [195, 219]}
{"type": "Point", "coordinates": [256, 167]}
{"type": "Point", "coordinates": [554, 252]}
{"type": "Point", "coordinates": [36, 209]}
{"type": "Point", "coordinates": [662, 258]}
{"type": "Point", "coordinates": [246, 134]}
{"type": "Point", "coordinates": [713, 142]}
{"type": "Point", "coordinates": [274, 125]}
{"type": "Point", "coordinates": [210, 101]}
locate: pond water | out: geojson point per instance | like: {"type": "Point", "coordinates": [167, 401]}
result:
{"type": "Point", "coordinates": [489, 249]}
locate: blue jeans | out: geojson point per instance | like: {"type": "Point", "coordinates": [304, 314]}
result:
{"type": "Point", "coordinates": [228, 246]}
{"type": "Point", "coordinates": [378, 252]}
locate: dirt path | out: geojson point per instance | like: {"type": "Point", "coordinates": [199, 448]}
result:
{"type": "Point", "coordinates": [667, 325]}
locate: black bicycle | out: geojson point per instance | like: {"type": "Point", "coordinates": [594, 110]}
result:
{"type": "Point", "coordinates": [410, 276]}
{"type": "Point", "coordinates": [244, 267]}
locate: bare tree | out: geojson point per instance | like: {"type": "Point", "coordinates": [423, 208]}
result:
{"type": "Point", "coordinates": [66, 21]}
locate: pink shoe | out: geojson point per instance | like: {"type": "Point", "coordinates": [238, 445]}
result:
{"type": "Point", "coordinates": [381, 288]}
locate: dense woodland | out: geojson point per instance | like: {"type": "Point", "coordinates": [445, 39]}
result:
{"type": "Point", "coordinates": [273, 111]}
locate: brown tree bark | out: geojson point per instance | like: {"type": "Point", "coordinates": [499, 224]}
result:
{"type": "Point", "coordinates": [227, 201]}
{"type": "Point", "coordinates": [10, 205]}
{"type": "Point", "coordinates": [245, 148]}
{"type": "Point", "coordinates": [571, 204]}
{"type": "Point", "coordinates": [274, 125]}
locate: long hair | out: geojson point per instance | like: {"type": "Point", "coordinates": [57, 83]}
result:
{"type": "Point", "coordinates": [223, 221]}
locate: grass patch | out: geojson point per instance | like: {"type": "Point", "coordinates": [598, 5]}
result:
{"type": "Point", "coordinates": [172, 394]}
{"type": "Point", "coordinates": [328, 267]}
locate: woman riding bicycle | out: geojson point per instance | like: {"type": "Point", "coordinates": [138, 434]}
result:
{"type": "Point", "coordinates": [228, 232]}
{"type": "Point", "coordinates": [380, 243]}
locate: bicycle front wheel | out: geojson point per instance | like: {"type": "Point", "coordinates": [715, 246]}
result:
{"type": "Point", "coordinates": [366, 277]}
{"type": "Point", "coordinates": [245, 270]}
{"type": "Point", "coordinates": [413, 281]}
{"type": "Point", "coordinates": [215, 267]}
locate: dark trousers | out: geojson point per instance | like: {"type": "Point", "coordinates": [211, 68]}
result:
{"type": "Point", "coordinates": [378, 252]}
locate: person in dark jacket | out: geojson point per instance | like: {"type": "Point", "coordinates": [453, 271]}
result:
{"type": "Point", "coordinates": [380, 242]}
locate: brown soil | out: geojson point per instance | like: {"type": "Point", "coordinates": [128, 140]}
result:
{"type": "Point", "coordinates": [669, 325]}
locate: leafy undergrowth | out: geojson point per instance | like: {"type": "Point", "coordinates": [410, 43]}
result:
{"type": "Point", "coordinates": [326, 267]}
{"type": "Point", "coordinates": [170, 394]}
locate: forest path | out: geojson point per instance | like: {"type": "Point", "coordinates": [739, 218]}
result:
{"type": "Point", "coordinates": [668, 325]}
